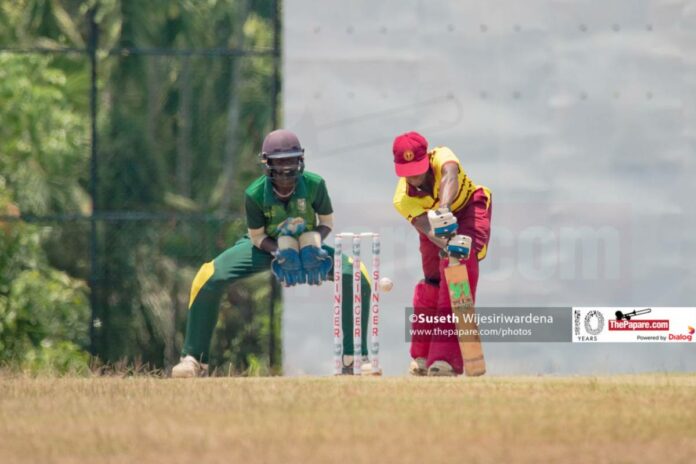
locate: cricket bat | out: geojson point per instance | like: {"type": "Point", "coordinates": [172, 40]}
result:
{"type": "Point", "coordinates": [463, 307]}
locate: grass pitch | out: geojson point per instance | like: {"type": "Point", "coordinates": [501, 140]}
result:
{"type": "Point", "coordinates": [646, 418]}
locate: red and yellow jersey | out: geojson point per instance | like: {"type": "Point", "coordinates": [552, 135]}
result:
{"type": "Point", "coordinates": [411, 203]}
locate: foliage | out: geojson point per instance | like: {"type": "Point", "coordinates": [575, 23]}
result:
{"type": "Point", "coordinates": [177, 133]}
{"type": "Point", "coordinates": [43, 311]}
{"type": "Point", "coordinates": [180, 133]}
{"type": "Point", "coordinates": [43, 137]}
{"type": "Point", "coordinates": [240, 335]}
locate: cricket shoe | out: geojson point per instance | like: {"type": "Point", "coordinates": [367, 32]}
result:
{"type": "Point", "coordinates": [189, 367]}
{"type": "Point", "coordinates": [347, 365]}
{"type": "Point", "coordinates": [366, 367]}
{"type": "Point", "coordinates": [417, 367]}
{"type": "Point", "coordinates": [441, 369]}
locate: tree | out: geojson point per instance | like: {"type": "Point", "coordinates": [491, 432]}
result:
{"type": "Point", "coordinates": [43, 309]}
{"type": "Point", "coordinates": [168, 126]}
{"type": "Point", "coordinates": [172, 128]}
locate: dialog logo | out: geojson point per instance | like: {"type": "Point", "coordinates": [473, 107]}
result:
{"type": "Point", "coordinates": [687, 337]}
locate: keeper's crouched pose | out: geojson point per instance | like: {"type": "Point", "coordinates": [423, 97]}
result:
{"type": "Point", "coordinates": [289, 214]}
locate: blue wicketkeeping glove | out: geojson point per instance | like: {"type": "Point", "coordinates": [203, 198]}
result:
{"type": "Point", "coordinates": [316, 262]}
{"type": "Point", "coordinates": [287, 266]}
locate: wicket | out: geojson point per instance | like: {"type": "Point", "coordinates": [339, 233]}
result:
{"type": "Point", "coordinates": [357, 303]}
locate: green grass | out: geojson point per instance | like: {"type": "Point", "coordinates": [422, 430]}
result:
{"type": "Point", "coordinates": [348, 420]}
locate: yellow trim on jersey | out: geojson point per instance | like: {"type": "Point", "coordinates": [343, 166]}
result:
{"type": "Point", "coordinates": [363, 271]}
{"type": "Point", "coordinates": [488, 194]}
{"type": "Point", "coordinates": [412, 207]}
{"type": "Point", "coordinates": [482, 254]}
{"type": "Point", "coordinates": [204, 273]}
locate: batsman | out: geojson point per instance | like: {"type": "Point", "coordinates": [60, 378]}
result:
{"type": "Point", "coordinates": [289, 215]}
{"type": "Point", "coordinates": [447, 209]}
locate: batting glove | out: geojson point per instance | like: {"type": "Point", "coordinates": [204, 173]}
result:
{"type": "Point", "coordinates": [459, 247]}
{"type": "Point", "coordinates": [442, 222]}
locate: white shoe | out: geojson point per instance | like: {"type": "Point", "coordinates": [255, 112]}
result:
{"type": "Point", "coordinates": [189, 367]}
{"type": "Point", "coordinates": [417, 367]}
{"type": "Point", "coordinates": [366, 367]}
{"type": "Point", "coordinates": [441, 369]}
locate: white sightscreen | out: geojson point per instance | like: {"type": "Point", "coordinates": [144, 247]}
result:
{"type": "Point", "coordinates": [578, 115]}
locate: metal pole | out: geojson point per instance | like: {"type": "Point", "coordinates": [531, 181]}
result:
{"type": "Point", "coordinates": [93, 185]}
{"type": "Point", "coordinates": [275, 91]}
{"type": "Point", "coordinates": [276, 84]}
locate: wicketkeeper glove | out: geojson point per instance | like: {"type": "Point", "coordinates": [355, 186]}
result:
{"type": "Point", "coordinates": [287, 266]}
{"type": "Point", "coordinates": [442, 222]}
{"type": "Point", "coordinates": [316, 262]}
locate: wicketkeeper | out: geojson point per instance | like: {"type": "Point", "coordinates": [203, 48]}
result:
{"type": "Point", "coordinates": [437, 197]}
{"type": "Point", "coordinates": [289, 214]}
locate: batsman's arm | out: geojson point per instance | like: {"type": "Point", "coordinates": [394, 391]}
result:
{"type": "Point", "coordinates": [449, 184]}
{"type": "Point", "coordinates": [422, 225]}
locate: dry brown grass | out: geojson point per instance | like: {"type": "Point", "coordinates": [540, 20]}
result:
{"type": "Point", "coordinates": [647, 418]}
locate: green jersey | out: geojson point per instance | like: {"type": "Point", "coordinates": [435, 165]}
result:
{"type": "Point", "coordinates": [264, 209]}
